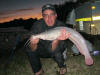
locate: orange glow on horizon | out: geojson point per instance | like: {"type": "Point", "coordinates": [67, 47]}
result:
{"type": "Point", "coordinates": [38, 16]}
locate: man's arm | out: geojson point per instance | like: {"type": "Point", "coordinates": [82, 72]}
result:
{"type": "Point", "coordinates": [63, 36]}
{"type": "Point", "coordinates": [33, 42]}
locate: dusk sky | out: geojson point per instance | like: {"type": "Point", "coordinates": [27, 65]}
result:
{"type": "Point", "coordinates": [14, 9]}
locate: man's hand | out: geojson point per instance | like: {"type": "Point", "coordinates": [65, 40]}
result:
{"type": "Point", "coordinates": [34, 40]}
{"type": "Point", "coordinates": [33, 43]}
{"type": "Point", "coordinates": [63, 35]}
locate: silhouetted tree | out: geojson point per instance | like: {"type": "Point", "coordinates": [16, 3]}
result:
{"type": "Point", "coordinates": [19, 22]}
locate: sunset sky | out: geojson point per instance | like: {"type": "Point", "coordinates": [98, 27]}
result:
{"type": "Point", "coordinates": [14, 9]}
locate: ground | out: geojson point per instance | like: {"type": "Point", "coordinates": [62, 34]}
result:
{"type": "Point", "coordinates": [19, 64]}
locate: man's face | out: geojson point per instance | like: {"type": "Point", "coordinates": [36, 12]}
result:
{"type": "Point", "coordinates": [49, 17]}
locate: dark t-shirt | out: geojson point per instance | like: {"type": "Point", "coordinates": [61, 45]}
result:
{"type": "Point", "coordinates": [39, 27]}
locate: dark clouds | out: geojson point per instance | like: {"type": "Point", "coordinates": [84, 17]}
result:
{"type": "Point", "coordinates": [16, 11]}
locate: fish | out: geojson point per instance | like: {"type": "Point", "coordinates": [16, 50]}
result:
{"type": "Point", "coordinates": [75, 37]}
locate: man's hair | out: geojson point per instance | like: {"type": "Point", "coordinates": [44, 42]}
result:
{"type": "Point", "coordinates": [48, 6]}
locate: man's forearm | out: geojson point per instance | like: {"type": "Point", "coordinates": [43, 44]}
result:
{"type": "Point", "coordinates": [55, 44]}
{"type": "Point", "coordinates": [33, 46]}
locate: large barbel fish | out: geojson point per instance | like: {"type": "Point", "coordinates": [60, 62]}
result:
{"type": "Point", "coordinates": [75, 37]}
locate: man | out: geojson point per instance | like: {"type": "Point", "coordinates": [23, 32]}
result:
{"type": "Point", "coordinates": [42, 48]}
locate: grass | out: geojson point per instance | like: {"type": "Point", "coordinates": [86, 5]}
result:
{"type": "Point", "coordinates": [19, 64]}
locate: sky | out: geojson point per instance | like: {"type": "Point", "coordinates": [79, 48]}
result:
{"type": "Point", "coordinates": [15, 9]}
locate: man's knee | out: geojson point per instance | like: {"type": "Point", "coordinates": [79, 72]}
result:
{"type": "Point", "coordinates": [33, 47]}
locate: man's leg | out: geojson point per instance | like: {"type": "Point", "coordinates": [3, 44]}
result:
{"type": "Point", "coordinates": [34, 60]}
{"type": "Point", "coordinates": [58, 56]}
